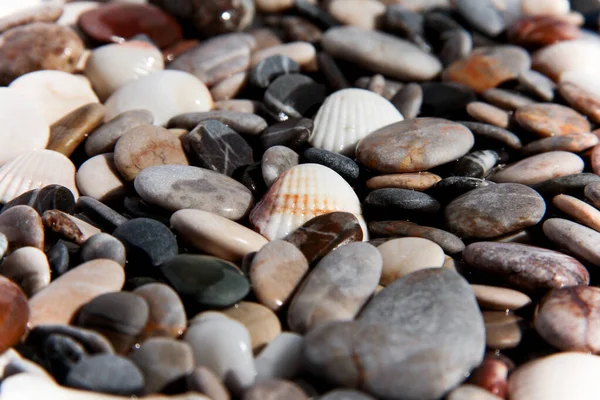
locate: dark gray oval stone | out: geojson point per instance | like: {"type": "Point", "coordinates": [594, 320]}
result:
{"type": "Point", "coordinates": [573, 185]}
{"type": "Point", "coordinates": [341, 164]}
{"type": "Point", "coordinates": [482, 15]}
{"type": "Point", "coordinates": [456, 44]}
{"type": "Point", "coordinates": [293, 133]}
{"type": "Point", "coordinates": [495, 133]}
{"type": "Point", "coordinates": [147, 241]}
{"type": "Point", "coordinates": [292, 95]}
{"type": "Point", "coordinates": [408, 100]}
{"type": "Point", "coordinates": [103, 245]}
{"type": "Point", "coordinates": [102, 215]}
{"type": "Point", "coordinates": [401, 201]}
{"type": "Point", "coordinates": [494, 211]}
{"type": "Point", "coordinates": [50, 197]}
{"type": "Point", "coordinates": [62, 353]}
{"type": "Point", "coordinates": [108, 374]}
{"type": "Point", "coordinates": [270, 68]}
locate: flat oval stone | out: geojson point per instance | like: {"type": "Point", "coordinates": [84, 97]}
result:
{"type": "Point", "coordinates": [448, 323]}
{"type": "Point", "coordinates": [303, 53]}
{"type": "Point", "coordinates": [545, 119]}
{"type": "Point", "coordinates": [282, 358]}
{"type": "Point", "coordinates": [337, 288]}
{"type": "Point", "coordinates": [419, 181]}
{"type": "Point", "coordinates": [163, 361]}
{"type": "Point", "coordinates": [215, 146]}
{"type": "Point", "coordinates": [523, 267]}
{"type": "Point", "coordinates": [106, 373]}
{"type": "Point", "coordinates": [216, 235]}
{"type": "Point", "coordinates": [488, 67]}
{"type": "Point", "coordinates": [145, 146]}
{"type": "Point", "coordinates": [191, 93]}
{"type": "Point", "coordinates": [275, 389]}
{"type": "Point", "coordinates": [356, 45]}
{"type": "Point", "coordinates": [177, 187]}
{"type": "Point", "coordinates": [488, 114]}
{"type": "Point", "coordinates": [537, 84]}
{"type": "Point", "coordinates": [573, 142]}
{"type": "Point", "coordinates": [502, 330]}
{"type": "Point", "coordinates": [28, 267]}
{"type": "Point", "coordinates": [494, 210]}
{"type": "Point", "coordinates": [38, 46]}
{"type": "Point", "coordinates": [583, 242]}
{"type": "Point", "coordinates": [482, 15]}
{"type": "Point", "coordinates": [292, 133]}
{"type": "Point", "coordinates": [408, 100]}
{"type": "Point", "coordinates": [70, 131]}
{"type": "Point", "coordinates": [245, 123]}
{"type": "Point", "coordinates": [275, 161]}
{"type": "Point", "coordinates": [103, 245]}
{"type": "Point", "coordinates": [292, 95]}
{"type": "Point", "coordinates": [100, 179]}
{"type": "Point", "coordinates": [540, 168]}
{"type": "Point", "coordinates": [341, 164]}
{"type": "Point", "coordinates": [414, 145]}
{"type": "Point", "coordinates": [581, 99]}
{"type": "Point", "coordinates": [574, 307]}
{"type": "Point", "coordinates": [103, 139]}
{"type": "Point", "coordinates": [499, 298]}
{"type": "Point", "coordinates": [14, 315]}
{"type": "Point", "coordinates": [60, 301]}
{"type": "Point", "coordinates": [450, 243]}
{"type": "Point", "coordinates": [50, 197]}
{"type": "Point", "coordinates": [263, 73]}
{"type": "Point", "coordinates": [22, 226]}
{"type": "Point", "coordinates": [119, 316]}
{"type": "Point", "coordinates": [120, 22]}
{"type": "Point", "coordinates": [578, 210]}
{"type": "Point", "coordinates": [146, 241]}
{"type": "Point", "coordinates": [99, 213]}
{"type": "Point", "coordinates": [275, 272]}
{"type": "Point", "coordinates": [166, 315]}
{"type": "Point", "coordinates": [495, 133]}
{"type": "Point", "coordinates": [571, 184]}
{"type": "Point", "coordinates": [392, 201]}
{"type": "Point", "coordinates": [405, 255]}
{"type": "Point", "coordinates": [507, 99]}
{"type": "Point", "coordinates": [205, 281]}
{"type": "Point", "coordinates": [262, 323]}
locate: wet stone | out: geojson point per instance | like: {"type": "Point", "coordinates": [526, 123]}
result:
{"type": "Point", "coordinates": [450, 243]}
{"type": "Point", "coordinates": [293, 133]}
{"type": "Point", "coordinates": [494, 211]}
{"type": "Point", "coordinates": [445, 99]}
{"type": "Point", "coordinates": [50, 197]}
{"type": "Point", "coordinates": [495, 133]}
{"type": "Point", "coordinates": [103, 245]}
{"type": "Point", "coordinates": [341, 164]}
{"type": "Point", "coordinates": [523, 267]}
{"type": "Point", "coordinates": [166, 315]}
{"type": "Point", "coordinates": [146, 241]}
{"type": "Point", "coordinates": [551, 120]}
{"type": "Point", "coordinates": [242, 122]}
{"type": "Point", "coordinates": [540, 168]}
{"type": "Point", "coordinates": [408, 100]}
{"type": "Point", "coordinates": [215, 146]}
{"type": "Point", "coordinates": [292, 95]}
{"type": "Point", "coordinates": [478, 164]}
{"type": "Point", "coordinates": [275, 161]}
{"type": "Point", "coordinates": [420, 181]}
{"type": "Point", "coordinates": [27, 267]}
{"type": "Point", "coordinates": [400, 202]}
{"type": "Point", "coordinates": [270, 68]}
{"type": "Point", "coordinates": [104, 138]}
{"type": "Point", "coordinates": [581, 241]}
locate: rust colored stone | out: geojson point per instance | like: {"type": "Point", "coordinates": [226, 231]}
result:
{"type": "Point", "coordinates": [61, 224]}
{"type": "Point", "coordinates": [14, 314]}
{"type": "Point", "coordinates": [539, 31]}
{"type": "Point", "coordinates": [545, 119]}
{"type": "Point", "coordinates": [492, 374]}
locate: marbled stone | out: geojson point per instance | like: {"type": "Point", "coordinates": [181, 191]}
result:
{"type": "Point", "coordinates": [166, 315]}
{"type": "Point", "coordinates": [275, 161]}
{"type": "Point", "coordinates": [146, 241]}
{"type": "Point", "coordinates": [499, 298]}
{"type": "Point", "coordinates": [22, 226]}
{"type": "Point", "coordinates": [540, 168]}
{"type": "Point", "coordinates": [414, 145]}
{"type": "Point", "coordinates": [50, 197]}
{"type": "Point", "coordinates": [263, 73]}
{"type": "Point", "coordinates": [524, 267]}
{"type": "Point", "coordinates": [14, 314]}
{"type": "Point", "coordinates": [545, 119]}
{"type": "Point", "coordinates": [175, 187]}
{"type": "Point", "coordinates": [72, 228]}
{"type": "Point", "coordinates": [245, 123]}
{"type": "Point", "coordinates": [28, 267]}
{"type": "Point", "coordinates": [104, 138]}
{"type": "Point", "coordinates": [263, 324]}
{"type": "Point", "coordinates": [494, 210]}
{"type": "Point", "coordinates": [450, 243]}
{"type": "Point", "coordinates": [581, 241]}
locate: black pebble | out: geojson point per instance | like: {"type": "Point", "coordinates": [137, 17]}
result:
{"type": "Point", "coordinates": [51, 197]}
{"type": "Point", "coordinates": [292, 133]}
{"type": "Point", "coordinates": [341, 164]}
{"type": "Point", "coordinates": [270, 68]}
{"type": "Point", "coordinates": [292, 95]}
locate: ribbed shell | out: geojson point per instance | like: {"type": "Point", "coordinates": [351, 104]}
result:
{"type": "Point", "coordinates": [36, 169]}
{"type": "Point", "coordinates": [300, 194]}
{"type": "Point", "coordinates": [347, 116]}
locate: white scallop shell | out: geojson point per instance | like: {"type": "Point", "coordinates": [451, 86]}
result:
{"type": "Point", "coordinates": [36, 169]}
{"type": "Point", "coordinates": [349, 115]}
{"type": "Point", "coordinates": [300, 194]}
{"type": "Point", "coordinates": [574, 56]}
{"type": "Point", "coordinates": [111, 66]}
{"type": "Point", "coordinates": [560, 376]}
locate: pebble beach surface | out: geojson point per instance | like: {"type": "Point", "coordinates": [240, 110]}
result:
{"type": "Point", "coordinates": [300, 199]}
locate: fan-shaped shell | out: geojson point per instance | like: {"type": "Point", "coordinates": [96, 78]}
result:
{"type": "Point", "coordinates": [300, 194]}
{"type": "Point", "coordinates": [347, 116]}
{"type": "Point", "coordinates": [36, 169]}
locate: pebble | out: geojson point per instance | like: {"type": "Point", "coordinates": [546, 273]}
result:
{"type": "Point", "coordinates": [223, 345]}
{"type": "Point", "coordinates": [263, 73]}
{"type": "Point", "coordinates": [337, 288]}
{"type": "Point", "coordinates": [70, 131]}
{"type": "Point", "coordinates": [482, 15]}
{"type": "Point", "coordinates": [540, 168]}
{"type": "Point", "coordinates": [22, 227]}
{"type": "Point", "coordinates": [495, 133]}
{"type": "Point", "coordinates": [229, 87]}
{"type": "Point", "coordinates": [542, 30]}
{"type": "Point", "coordinates": [581, 99]}
{"type": "Point", "coordinates": [275, 389]}
{"type": "Point", "coordinates": [292, 95]}
{"type": "Point", "coordinates": [344, 166]}
{"type": "Point", "coordinates": [537, 84]}
{"type": "Point", "coordinates": [38, 46]}
{"type": "Point", "coordinates": [471, 392]}
{"type": "Point", "coordinates": [292, 133]}
{"type": "Point", "coordinates": [72, 228]}
{"type": "Point", "coordinates": [445, 99]}
{"type": "Point", "coordinates": [50, 197]}
{"type": "Point", "coordinates": [277, 160]}
{"type": "Point", "coordinates": [61, 300]}
{"type": "Point", "coordinates": [578, 210]}
{"type": "Point", "coordinates": [494, 210]}
{"type": "Point", "coordinates": [570, 184]}
{"type": "Point", "coordinates": [100, 179]}
{"type": "Point", "coordinates": [573, 56]}
{"type": "Point", "coordinates": [62, 353]}
{"type": "Point", "coordinates": [166, 316]}
{"type": "Point", "coordinates": [592, 193]}
{"type": "Point", "coordinates": [205, 281]}
{"type": "Point", "coordinates": [345, 394]}
{"type": "Point", "coordinates": [262, 323]}
{"type": "Point", "coordinates": [103, 139]}
{"type": "Point", "coordinates": [449, 327]}
{"type": "Point", "coordinates": [28, 267]}
{"type": "Point", "coordinates": [408, 100]}
{"type": "Point", "coordinates": [244, 123]}
{"type": "Point", "coordinates": [450, 243]}
{"type": "Point", "coordinates": [573, 142]}
{"type": "Point", "coordinates": [191, 93]}
{"type": "Point", "coordinates": [457, 45]}
{"type": "Point", "coordinates": [551, 119]}
{"type": "Point", "coordinates": [502, 330]}
{"type": "Point", "coordinates": [103, 245]}
{"type": "Point", "coordinates": [478, 164]}
{"type": "Point", "coordinates": [573, 307]}
{"type": "Point", "coordinates": [39, 13]}
{"type": "Point", "coordinates": [204, 381]}
{"type": "Point", "coordinates": [145, 146]}
{"type": "Point", "coordinates": [414, 145]}
{"type": "Point", "coordinates": [488, 67]}
{"type": "Point", "coordinates": [14, 315]}
{"type": "Point", "coordinates": [400, 202]}
{"type": "Point", "coordinates": [355, 44]}
{"type": "Point", "coordinates": [581, 241]}
{"type": "Point", "coordinates": [362, 13]}
{"type": "Point", "coordinates": [56, 93]}
{"type": "Point", "coordinates": [492, 374]}
{"type": "Point", "coordinates": [303, 53]}
{"type": "Point", "coordinates": [215, 146]}
{"type": "Point", "coordinates": [488, 114]}
{"type": "Point", "coordinates": [146, 241]}
{"type": "Point", "coordinates": [420, 181]}
{"type": "Point", "coordinates": [300, 29]}
{"type": "Point", "coordinates": [499, 298]}
{"type": "Point", "coordinates": [281, 358]}
{"type": "Point", "coordinates": [405, 255]}
{"type": "Point", "coordinates": [524, 267]}
{"type": "Point", "coordinates": [99, 214]}
{"type": "Point", "coordinates": [162, 361]}
{"type": "Point", "coordinates": [106, 373]}
{"type": "Point", "coordinates": [3, 244]}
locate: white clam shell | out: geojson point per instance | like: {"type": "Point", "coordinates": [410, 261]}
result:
{"type": "Point", "coordinates": [349, 115]}
{"type": "Point", "coordinates": [36, 169]}
{"type": "Point", "coordinates": [557, 377]}
{"type": "Point", "coordinates": [574, 56]}
{"type": "Point", "coordinates": [300, 194]}
{"type": "Point", "coordinates": [112, 66]}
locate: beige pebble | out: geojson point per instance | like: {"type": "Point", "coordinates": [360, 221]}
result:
{"type": "Point", "coordinates": [363, 13]}
{"type": "Point", "coordinates": [471, 392]}
{"type": "Point", "coordinates": [499, 298]}
{"type": "Point", "coordinates": [22, 226]}
{"type": "Point", "coordinates": [203, 380]}
{"type": "Point", "coordinates": [303, 53]}
{"type": "Point", "coordinates": [240, 105]}
{"type": "Point", "coordinates": [99, 178]}
{"type": "Point", "coordinates": [405, 255]}
{"type": "Point", "coordinates": [28, 267]}
{"type": "Point", "coordinates": [488, 114]}
{"type": "Point", "coordinates": [573, 142]}
{"type": "Point", "coordinates": [578, 210]}
{"type": "Point", "coordinates": [262, 323]}
{"type": "Point", "coordinates": [228, 88]}
{"type": "Point", "coordinates": [38, 13]}
{"type": "Point", "coordinates": [539, 168]}
{"type": "Point", "coordinates": [502, 330]}
{"type": "Point", "coordinates": [420, 181]}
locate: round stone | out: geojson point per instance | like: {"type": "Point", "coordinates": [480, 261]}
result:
{"type": "Point", "coordinates": [22, 226]}
{"type": "Point", "coordinates": [499, 298]}
{"type": "Point", "coordinates": [275, 161]}
{"type": "Point", "coordinates": [28, 267]}
{"type": "Point", "coordinates": [405, 255]}
{"type": "Point", "coordinates": [494, 210]}
{"type": "Point", "coordinates": [103, 139]}
{"type": "Point", "coordinates": [502, 330]}
{"type": "Point", "coordinates": [100, 179]}
{"type": "Point", "coordinates": [103, 245]}
{"type": "Point", "coordinates": [14, 314]}
{"type": "Point", "coordinates": [262, 323]}
{"type": "Point", "coordinates": [540, 168]}
{"type": "Point", "coordinates": [583, 242]}
{"type": "Point", "coordinates": [414, 145]}
{"type": "Point", "coordinates": [147, 241]}
{"type": "Point", "coordinates": [546, 119]}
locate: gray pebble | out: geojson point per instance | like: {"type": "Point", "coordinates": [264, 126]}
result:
{"type": "Point", "coordinates": [103, 245]}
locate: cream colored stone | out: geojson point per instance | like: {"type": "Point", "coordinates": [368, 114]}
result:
{"type": "Point", "coordinates": [28, 267]}
{"type": "Point", "coordinates": [216, 235]}
{"type": "Point", "coordinates": [545, 7]}
{"type": "Point", "coordinates": [498, 298]}
{"type": "Point", "coordinates": [539, 168]}
{"type": "Point", "coordinates": [303, 53]}
{"type": "Point", "coordinates": [262, 323]}
{"type": "Point", "coordinates": [363, 13]}
{"type": "Point", "coordinates": [99, 178]}
{"type": "Point", "coordinates": [578, 210]}
{"type": "Point", "coordinates": [420, 181]}
{"type": "Point", "coordinates": [405, 255]}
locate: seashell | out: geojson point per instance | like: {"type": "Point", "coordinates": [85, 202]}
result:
{"type": "Point", "coordinates": [36, 169]}
{"type": "Point", "coordinates": [300, 194]}
{"type": "Point", "coordinates": [349, 115]}
{"type": "Point", "coordinates": [111, 66]}
{"type": "Point", "coordinates": [567, 375]}
{"type": "Point", "coordinates": [574, 56]}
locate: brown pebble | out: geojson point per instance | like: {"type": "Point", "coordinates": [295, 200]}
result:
{"type": "Point", "coordinates": [573, 142]}
{"type": "Point", "coordinates": [541, 30]}
{"type": "Point", "coordinates": [23, 227]}
{"type": "Point", "coordinates": [578, 210]}
{"type": "Point", "coordinates": [506, 99]}
{"type": "Point", "coordinates": [492, 375]}
{"type": "Point", "coordinates": [488, 114]}
{"type": "Point", "coordinates": [70, 131]}
{"type": "Point", "coordinates": [275, 389]}
{"type": "Point", "coordinates": [420, 181]}
{"type": "Point", "coordinates": [545, 119]}
{"type": "Point", "coordinates": [166, 313]}
{"type": "Point", "coordinates": [14, 314]}
{"type": "Point", "coordinates": [72, 228]}
{"type": "Point", "coordinates": [262, 323]}
{"type": "Point", "coordinates": [203, 380]}
{"type": "Point", "coordinates": [581, 99]}
{"type": "Point", "coordinates": [499, 298]}
{"type": "Point", "coordinates": [502, 330]}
